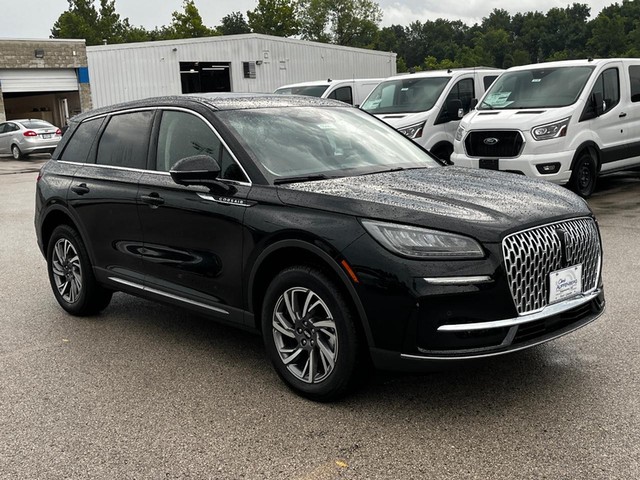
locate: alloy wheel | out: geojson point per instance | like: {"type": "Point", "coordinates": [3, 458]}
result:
{"type": "Point", "coordinates": [67, 271]}
{"type": "Point", "coordinates": [305, 335]}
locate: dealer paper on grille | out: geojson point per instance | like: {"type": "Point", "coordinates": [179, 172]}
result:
{"type": "Point", "coordinates": [565, 283]}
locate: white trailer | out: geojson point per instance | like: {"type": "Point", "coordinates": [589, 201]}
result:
{"type": "Point", "coordinates": [230, 63]}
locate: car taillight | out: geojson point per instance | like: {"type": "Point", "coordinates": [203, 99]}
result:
{"type": "Point", "coordinates": [58, 132]}
{"type": "Point", "coordinates": [30, 133]}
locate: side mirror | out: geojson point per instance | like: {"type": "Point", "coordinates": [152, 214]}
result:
{"type": "Point", "coordinates": [196, 170]}
{"type": "Point", "coordinates": [473, 104]}
{"type": "Point", "coordinates": [454, 109]}
{"type": "Point", "coordinates": [598, 103]}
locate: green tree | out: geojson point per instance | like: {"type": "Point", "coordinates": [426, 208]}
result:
{"type": "Point", "coordinates": [274, 17]}
{"type": "Point", "coordinates": [343, 22]}
{"type": "Point", "coordinates": [234, 24]}
{"type": "Point", "coordinates": [607, 37]}
{"type": "Point", "coordinates": [187, 24]}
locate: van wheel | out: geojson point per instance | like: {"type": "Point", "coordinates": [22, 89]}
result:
{"type": "Point", "coordinates": [443, 152]}
{"type": "Point", "coordinates": [583, 178]}
{"type": "Point", "coordinates": [71, 274]}
{"type": "Point", "coordinates": [309, 333]}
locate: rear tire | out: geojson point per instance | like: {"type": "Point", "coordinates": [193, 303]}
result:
{"type": "Point", "coordinates": [71, 274]}
{"type": "Point", "coordinates": [309, 333]}
{"type": "Point", "coordinates": [583, 178]}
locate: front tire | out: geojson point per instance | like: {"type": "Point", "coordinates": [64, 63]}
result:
{"type": "Point", "coordinates": [310, 334]}
{"type": "Point", "coordinates": [71, 274]}
{"type": "Point", "coordinates": [583, 178]}
{"type": "Point", "coordinates": [16, 153]}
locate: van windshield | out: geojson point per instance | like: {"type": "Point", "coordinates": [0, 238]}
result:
{"type": "Point", "coordinates": [407, 95]}
{"type": "Point", "coordinates": [308, 90]}
{"type": "Point", "coordinates": [537, 88]}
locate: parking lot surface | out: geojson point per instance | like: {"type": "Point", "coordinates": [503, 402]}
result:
{"type": "Point", "coordinates": [149, 391]}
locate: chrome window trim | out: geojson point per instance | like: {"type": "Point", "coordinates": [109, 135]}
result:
{"type": "Point", "coordinates": [547, 311]}
{"type": "Point", "coordinates": [145, 288]}
{"type": "Point", "coordinates": [159, 172]}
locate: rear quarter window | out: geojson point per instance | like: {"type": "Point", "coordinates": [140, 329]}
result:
{"type": "Point", "coordinates": [79, 145]}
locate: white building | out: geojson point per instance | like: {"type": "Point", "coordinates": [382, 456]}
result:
{"type": "Point", "coordinates": [231, 63]}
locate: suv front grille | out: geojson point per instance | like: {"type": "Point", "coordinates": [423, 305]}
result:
{"type": "Point", "coordinates": [496, 144]}
{"type": "Point", "coordinates": [531, 255]}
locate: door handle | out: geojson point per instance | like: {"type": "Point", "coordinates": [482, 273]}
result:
{"type": "Point", "coordinates": [80, 189]}
{"type": "Point", "coordinates": [622, 115]}
{"type": "Point", "coordinates": [153, 199]}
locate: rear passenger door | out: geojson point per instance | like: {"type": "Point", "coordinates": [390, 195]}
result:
{"type": "Point", "coordinates": [103, 195]}
{"type": "Point", "coordinates": [193, 236]}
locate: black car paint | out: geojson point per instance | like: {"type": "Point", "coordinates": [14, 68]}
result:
{"type": "Point", "coordinates": [319, 218]}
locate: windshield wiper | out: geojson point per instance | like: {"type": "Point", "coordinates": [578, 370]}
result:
{"type": "Point", "coordinates": [300, 178]}
{"type": "Point", "coordinates": [487, 104]}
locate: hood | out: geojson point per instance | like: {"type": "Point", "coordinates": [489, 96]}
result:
{"type": "Point", "coordinates": [521, 119]}
{"type": "Point", "coordinates": [484, 204]}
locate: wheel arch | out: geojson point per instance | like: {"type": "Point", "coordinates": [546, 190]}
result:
{"type": "Point", "coordinates": [58, 215]}
{"type": "Point", "coordinates": [443, 144]}
{"type": "Point", "coordinates": [285, 253]}
{"type": "Point", "coordinates": [593, 149]}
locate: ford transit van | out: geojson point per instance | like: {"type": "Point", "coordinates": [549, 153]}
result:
{"type": "Point", "coordinates": [427, 106]}
{"type": "Point", "coordinates": [352, 91]}
{"type": "Point", "coordinates": [566, 122]}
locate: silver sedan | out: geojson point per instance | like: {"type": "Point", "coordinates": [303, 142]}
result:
{"type": "Point", "coordinates": [23, 137]}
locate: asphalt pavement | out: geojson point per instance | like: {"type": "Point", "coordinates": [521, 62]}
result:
{"type": "Point", "coordinates": [146, 391]}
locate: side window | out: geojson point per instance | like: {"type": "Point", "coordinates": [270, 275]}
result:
{"type": "Point", "coordinates": [11, 127]}
{"type": "Point", "coordinates": [488, 81]}
{"type": "Point", "coordinates": [463, 91]}
{"type": "Point", "coordinates": [343, 94]}
{"type": "Point", "coordinates": [3, 127]}
{"type": "Point", "coordinates": [125, 141]}
{"type": "Point", "coordinates": [79, 145]}
{"type": "Point", "coordinates": [634, 79]}
{"type": "Point", "coordinates": [183, 135]}
{"type": "Point", "coordinates": [608, 84]}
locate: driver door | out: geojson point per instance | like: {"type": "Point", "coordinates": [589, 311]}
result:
{"type": "Point", "coordinates": [193, 237]}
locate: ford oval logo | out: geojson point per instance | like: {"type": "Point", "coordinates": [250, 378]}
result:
{"type": "Point", "coordinates": [490, 141]}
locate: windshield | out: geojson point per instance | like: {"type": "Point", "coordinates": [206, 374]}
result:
{"type": "Point", "coordinates": [309, 90]}
{"type": "Point", "coordinates": [405, 95]}
{"type": "Point", "coordinates": [537, 88]}
{"type": "Point", "coordinates": [331, 141]}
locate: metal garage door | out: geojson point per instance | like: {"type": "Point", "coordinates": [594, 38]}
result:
{"type": "Point", "coordinates": [38, 80]}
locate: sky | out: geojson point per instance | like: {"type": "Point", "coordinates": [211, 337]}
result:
{"type": "Point", "coordinates": [17, 20]}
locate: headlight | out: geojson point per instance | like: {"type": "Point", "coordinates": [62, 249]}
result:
{"type": "Point", "coordinates": [413, 131]}
{"type": "Point", "coordinates": [459, 133]}
{"type": "Point", "coordinates": [416, 242]}
{"type": "Point", "coordinates": [551, 130]}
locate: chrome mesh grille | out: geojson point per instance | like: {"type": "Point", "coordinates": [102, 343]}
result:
{"type": "Point", "coordinates": [531, 255]}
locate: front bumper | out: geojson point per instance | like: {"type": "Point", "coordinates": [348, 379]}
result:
{"type": "Point", "coordinates": [498, 337]}
{"type": "Point", "coordinates": [526, 164]}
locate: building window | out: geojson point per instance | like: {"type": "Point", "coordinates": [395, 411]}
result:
{"type": "Point", "coordinates": [249, 69]}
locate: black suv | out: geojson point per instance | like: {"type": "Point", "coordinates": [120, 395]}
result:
{"type": "Point", "coordinates": [335, 236]}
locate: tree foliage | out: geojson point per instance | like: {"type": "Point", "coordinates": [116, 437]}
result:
{"type": "Point", "coordinates": [344, 22]}
{"type": "Point", "coordinates": [234, 24]}
{"type": "Point", "coordinates": [274, 17]}
{"type": "Point", "coordinates": [499, 40]}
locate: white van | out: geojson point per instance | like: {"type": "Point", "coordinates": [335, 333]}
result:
{"type": "Point", "coordinates": [427, 106]}
{"type": "Point", "coordinates": [566, 122]}
{"type": "Point", "coordinates": [352, 91]}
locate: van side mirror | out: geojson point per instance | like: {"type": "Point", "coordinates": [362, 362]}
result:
{"type": "Point", "coordinates": [196, 170]}
{"type": "Point", "coordinates": [473, 104]}
{"type": "Point", "coordinates": [454, 109]}
{"type": "Point", "coordinates": [598, 103]}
